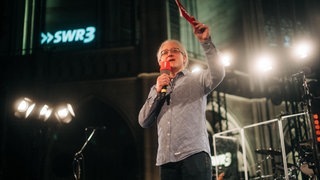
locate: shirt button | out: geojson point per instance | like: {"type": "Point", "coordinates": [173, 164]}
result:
{"type": "Point", "coordinates": [168, 134]}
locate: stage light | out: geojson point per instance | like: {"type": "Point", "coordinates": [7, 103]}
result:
{"type": "Point", "coordinates": [24, 107]}
{"type": "Point", "coordinates": [316, 126]}
{"type": "Point", "coordinates": [226, 59]}
{"type": "Point", "coordinates": [303, 50]}
{"type": "Point", "coordinates": [264, 64]}
{"type": "Point", "coordinates": [45, 112]}
{"type": "Point", "coordinates": [315, 116]}
{"type": "Point", "coordinates": [64, 113]}
{"type": "Point", "coordinates": [196, 69]}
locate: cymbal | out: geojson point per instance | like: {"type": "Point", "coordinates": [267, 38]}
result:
{"type": "Point", "coordinates": [269, 151]}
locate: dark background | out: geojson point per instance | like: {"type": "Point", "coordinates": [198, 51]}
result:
{"type": "Point", "coordinates": [106, 82]}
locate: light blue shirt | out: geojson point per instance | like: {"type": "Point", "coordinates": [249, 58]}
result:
{"type": "Point", "coordinates": [181, 123]}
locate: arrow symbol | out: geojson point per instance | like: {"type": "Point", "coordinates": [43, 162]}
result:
{"type": "Point", "coordinates": [44, 38]}
{"type": "Point", "coordinates": [50, 37]}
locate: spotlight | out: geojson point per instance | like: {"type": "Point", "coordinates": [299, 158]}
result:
{"type": "Point", "coordinates": [24, 107]}
{"type": "Point", "coordinates": [303, 50]}
{"type": "Point", "coordinates": [64, 113]}
{"type": "Point", "coordinates": [226, 59]}
{"type": "Point", "coordinates": [196, 69]}
{"type": "Point", "coordinates": [45, 112]}
{"type": "Point", "coordinates": [264, 64]}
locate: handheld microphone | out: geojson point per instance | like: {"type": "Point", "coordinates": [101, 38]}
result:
{"type": "Point", "coordinates": [164, 68]}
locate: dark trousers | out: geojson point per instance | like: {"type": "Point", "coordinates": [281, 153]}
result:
{"type": "Point", "coordinates": [195, 167]}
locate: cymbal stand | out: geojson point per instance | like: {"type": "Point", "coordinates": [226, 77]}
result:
{"type": "Point", "coordinates": [78, 158]}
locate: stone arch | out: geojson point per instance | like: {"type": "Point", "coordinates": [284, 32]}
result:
{"type": "Point", "coordinates": [109, 150]}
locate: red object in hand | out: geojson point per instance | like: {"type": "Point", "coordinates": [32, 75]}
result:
{"type": "Point", "coordinates": [183, 12]}
{"type": "Point", "coordinates": [165, 67]}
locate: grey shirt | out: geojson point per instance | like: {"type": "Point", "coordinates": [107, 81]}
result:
{"type": "Point", "coordinates": [181, 123]}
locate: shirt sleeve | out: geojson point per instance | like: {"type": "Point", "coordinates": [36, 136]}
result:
{"type": "Point", "coordinates": [215, 73]}
{"type": "Point", "coordinates": [151, 108]}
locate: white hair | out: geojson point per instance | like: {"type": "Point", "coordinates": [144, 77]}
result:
{"type": "Point", "coordinates": [181, 47]}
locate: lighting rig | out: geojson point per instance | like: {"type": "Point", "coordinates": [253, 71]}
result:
{"type": "Point", "coordinates": [26, 108]}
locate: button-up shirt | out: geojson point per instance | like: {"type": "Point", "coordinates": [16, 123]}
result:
{"type": "Point", "coordinates": [181, 122]}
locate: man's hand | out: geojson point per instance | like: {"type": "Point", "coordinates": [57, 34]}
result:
{"type": "Point", "coordinates": [201, 31]}
{"type": "Point", "coordinates": [220, 176]}
{"type": "Point", "coordinates": [162, 80]}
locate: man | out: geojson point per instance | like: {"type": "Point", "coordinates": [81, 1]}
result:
{"type": "Point", "coordinates": [183, 145]}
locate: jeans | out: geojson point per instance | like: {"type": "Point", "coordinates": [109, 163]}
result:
{"type": "Point", "coordinates": [195, 167]}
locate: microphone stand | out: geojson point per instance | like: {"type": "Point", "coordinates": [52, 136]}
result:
{"type": "Point", "coordinates": [78, 157]}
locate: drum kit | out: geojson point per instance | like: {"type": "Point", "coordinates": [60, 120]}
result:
{"type": "Point", "coordinates": [269, 154]}
{"type": "Point", "coordinates": [304, 165]}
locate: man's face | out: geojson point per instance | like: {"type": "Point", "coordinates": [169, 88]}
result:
{"type": "Point", "coordinates": [171, 52]}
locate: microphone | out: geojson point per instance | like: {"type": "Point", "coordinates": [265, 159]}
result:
{"type": "Point", "coordinates": [95, 127]}
{"type": "Point", "coordinates": [164, 68]}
